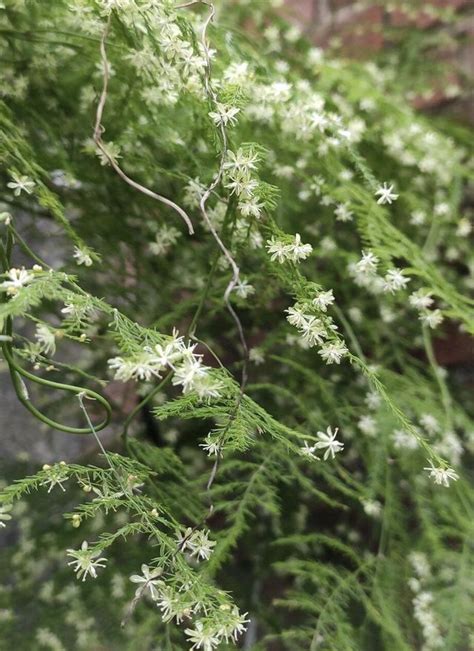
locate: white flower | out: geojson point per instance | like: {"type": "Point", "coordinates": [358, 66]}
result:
{"type": "Point", "coordinates": [403, 440]}
{"type": "Point", "coordinates": [296, 316]}
{"type": "Point", "coordinates": [234, 627]}
{"type": "Point", "coordinates": [432, 319]}
{"type": "Point", "coordinates": [56, 476]}
{"type": "Point", "coordinates": [165, 237]}
{"type": "Point", "coordinates": [47, 639]}
{"type": "Point", "coordinates": [451, 447]}
{"type": "Point", "coordinates": [315, 56]}
{"type": "Point", "coordinates": [141, 368]}
{"type": "Point", "coordinates": [298, 250]}
{"type": "Point", "coordinates": [441, 475]}
{"type": "Point", "coordinates": [385, 194]}
{"type": "Point", "coordinates": [237, 73]}
{"type": "Point", "coordinates": [367, 264]}
{"type": "Point", "coordinates": [206, 386]}
{"type": "Point", "coordinates": [20, 184]}
{"type": "Point", "coordinates": [213, 448]}
{"type": "Point", "coordinates": [86, 561]}
{"type": "Point", "coordinates": [46, 339]}
{"type": "Point", "coordinates": [414, 584]}
{"type": "Point", "coordinates": [420, 300]}
{"type": "Point", "coordinates": [251, 207]}
{"type": "Point", "coordinates": [197, 542]}
{"type": "Point", "coordinates": [243, 186]}
{"type": "Point", "coordinates": [167, 603]}
{"type": "Point", "coordinates": [243, 289]}
{"type": "Point", "coordinates": [319, 121]}
{"type": "Point", "coordinates": [278, 249]}
{"type": "Point", "coordinates": [17, 278]}
{"type": "Point", "coordinates": [368, 425]}
{"type": "Point", "coordinates": [200, 545]}
{"type": "Point", "coordinates": [82, 256]}
{"type": "Point", "coordinates": [328, 440]}
{"type": "Point", "coordinates": [188, 372]}
{"type": "Point", "coordinates": [77, 310]}
{"type": "Point", "coordinates": [418, 217]}
{"type": "Point", "coordinates": [395, 280]}
{"type": "Point", "coordinates": [147, 580]}
{"type": "Point", "coordinates": [313, 330]}
{"type": "Point", "coordinates": [343, 213]}
{"type": "Point", "coordinates": [256, 356]}
{"type": "Point", "coordinates": [372, 508]}
{"type": "Point", "coordinates": [295, 251]}
{"type": "Point", "coordinates": [464, 228]}
{"type": "Point", "coordinates": [193, 192]}
{"type": "Point", "coordinates": [323, 300]}
{"type": "Point", "coordinates": [4, 513]}
{"type": "Point", "coordinates": [333, 352]}
{"type": "Point", "coordinates": [183, 538]}
{"type": "Point", "coordinates": [308, 451]}
{"type": "Point", "coordinates": [202, 638]}
{"type": "Point", "coordinates": [430, 423]}
{"type": "Point", "coordinates": [166, 355]}
{"type": "Point", "coordinates": [107, 152]}
{"type": "Point", "coordinates": [420, 564]}
{"type": "Point", "coordinates": [373, 400]}
{"type": "Point", "coordinates": [242, 162]}
{"type": "Point", "coordinates": [224, 115]}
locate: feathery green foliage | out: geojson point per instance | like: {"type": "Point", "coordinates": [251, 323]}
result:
{"type": "Point", "coordinates": [261, 245]}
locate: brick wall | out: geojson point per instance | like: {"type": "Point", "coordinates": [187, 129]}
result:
{"type": "Point", "coordinates": [362, 29]}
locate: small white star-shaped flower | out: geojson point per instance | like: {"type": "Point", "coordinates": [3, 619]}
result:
{"type": "Point", "coordinates": [386, 194]}
{"type": "Point", "coordinates": [147, 581]}
{"type": "Point", "coordinates": [333, 352]}
{"type": "Point", "coordinates": [224, 115]}
{"type": "Point", "coordinates": [21, 184]}
{"type": "Point", "coordinates": [308, 451]}
{"type": "Point", "coordinates": [440, 475]}
{"type": "Point", "coordinates": [328, 440]}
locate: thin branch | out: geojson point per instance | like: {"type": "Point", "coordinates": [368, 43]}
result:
{"type": "Point", "coordinates": [202, 204]}
{"type": "Point", "coordinates": [99, 130]}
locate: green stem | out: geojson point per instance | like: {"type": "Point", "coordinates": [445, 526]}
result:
{"type": "Point", "coordinates": [437, 373]}
{"type": "Point", "coordinates": [17, 372]}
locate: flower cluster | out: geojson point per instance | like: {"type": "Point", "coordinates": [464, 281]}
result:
{"type": "Point", "coordinates": [306, 115]}
{"type": "Point", "coordinates": [207, 636]}
{"type": "Point", "coordinates": [226, 623]}
{"type": "Point", "coordinates": [423, 602]}
{"type": "Point", "coordinates": [240, 171]}
{"type": "Point", "coordinates": [284, 251]}
{"type": "Point", "coordinates": [196, 542]}
{"type": "Point", "coordinates": [176, 356]}
{"type": "Point", "coordinates": [422, 301]}
{"type": "Point", "coordinates": [364, 273]}
{"type": "Point", "coordinates": [165, 238]}
{"type": "Point", "coordinates": [318, 331]}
